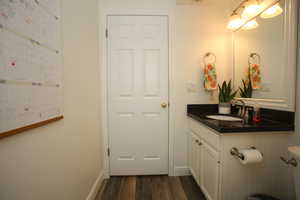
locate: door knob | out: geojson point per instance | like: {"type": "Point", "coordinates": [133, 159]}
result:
{"type": "Point", "coordinates": [164, 105]}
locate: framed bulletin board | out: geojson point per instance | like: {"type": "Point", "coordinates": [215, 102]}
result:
{"type": "Point", "coordinates": [31, 72]}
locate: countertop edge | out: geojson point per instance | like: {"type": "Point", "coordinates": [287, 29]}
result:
{"type": "Point", "coordinates": [288, 128]}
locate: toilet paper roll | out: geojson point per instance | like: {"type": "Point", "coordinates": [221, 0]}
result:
{"type": "Point", "coordinates": [251, 156]}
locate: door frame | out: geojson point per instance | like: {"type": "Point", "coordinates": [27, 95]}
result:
{"type": "Point", "coordinates": [103, 70]}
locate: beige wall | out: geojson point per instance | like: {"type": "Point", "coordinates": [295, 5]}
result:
{"type": "Point", "coordinates": [62, 161]}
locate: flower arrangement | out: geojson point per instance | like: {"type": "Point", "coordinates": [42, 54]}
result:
{"type": "Point", "coordinates": [247, 90]}
{"type": "Point", "coordinates": [226, 93]}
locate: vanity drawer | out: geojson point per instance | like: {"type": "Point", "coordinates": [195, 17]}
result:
{"type": "Point", "coordinates": [205, 133]}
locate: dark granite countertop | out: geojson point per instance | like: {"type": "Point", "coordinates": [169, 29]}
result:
{"type": "Point", "coordinates": [272, 120]}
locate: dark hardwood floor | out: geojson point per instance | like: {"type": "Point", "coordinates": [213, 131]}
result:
{"type": "Point", "coordinates": [150, 188]}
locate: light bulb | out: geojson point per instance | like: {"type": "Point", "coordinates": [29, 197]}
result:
{"type": "Point", "coordinates": [235, 22]}
{"type": "Point", "coordinates": [250, 25]}
{"type": "Point", "coordinates": [252, 8]}
{"type": "Point", "coordinates": [272, 12]}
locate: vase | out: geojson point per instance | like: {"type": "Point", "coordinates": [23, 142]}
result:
{"type": "Point", "coordinates": [224, 108]}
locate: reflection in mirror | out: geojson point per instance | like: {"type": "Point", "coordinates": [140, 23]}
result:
{"type": "Point", "coordinates": [260, 53]}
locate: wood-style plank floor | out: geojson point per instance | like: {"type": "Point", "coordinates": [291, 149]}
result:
{"type": "Point", "coordinates": [150, 188]}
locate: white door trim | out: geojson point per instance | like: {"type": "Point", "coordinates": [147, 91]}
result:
{"type": "Point", "coordinates": [104, 86]}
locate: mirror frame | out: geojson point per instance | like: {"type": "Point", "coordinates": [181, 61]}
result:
{"type": "Point", "coordinates": [290, 59]}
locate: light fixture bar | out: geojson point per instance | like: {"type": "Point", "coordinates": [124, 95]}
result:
{"type": "Point", "coordinates": [241, 5]}
{"type": "Point", "coordinates": [255, 16]}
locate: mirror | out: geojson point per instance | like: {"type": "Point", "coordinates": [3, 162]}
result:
{"type": "Point", "coordinates": [268, 55]}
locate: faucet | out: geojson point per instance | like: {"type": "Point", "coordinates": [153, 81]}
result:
{"type": "Point", "coordinates": [242, 112]}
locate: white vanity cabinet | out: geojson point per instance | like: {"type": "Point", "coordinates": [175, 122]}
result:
{"type": "Point", "coordinates": [204, 161]}
{"type": "Point", "coordinates": [194, 156]}
{"type": "Point", "coordinates": [209, 171]}
{"type": "Point", "coordinates": [222, 177]}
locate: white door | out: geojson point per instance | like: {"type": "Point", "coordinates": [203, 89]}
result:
{"type": "Point", "coordinates": [209, 172]}
{"type": "Point", "coordinates": [138, 94]}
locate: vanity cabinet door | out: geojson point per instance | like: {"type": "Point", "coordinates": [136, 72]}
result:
{"type": "Point", "coordinates": [194, 156]}
{"type": "Point", "coordinates": [209, 171]}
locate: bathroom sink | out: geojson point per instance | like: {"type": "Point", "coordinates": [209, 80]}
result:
{"type": "Point", "coordinates": [224, 118]}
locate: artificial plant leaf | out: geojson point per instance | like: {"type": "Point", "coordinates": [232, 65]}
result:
{"type": "Point", "coordinates": [224, 87]}
{"type": "Point", "coordinates": [244, 83]}
{"type": "Point", "coordinates": [220, 93]}
{"type": "Point", "coordinates": [242, 92]}
{"type": "Point", "coordinates": [233, 95]}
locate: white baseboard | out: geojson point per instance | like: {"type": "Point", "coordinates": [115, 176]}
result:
{"type": "Point", "coordinates": [182, 171]}
{"type": "Point", "coordinates": [96, 186]}
{"type": "Point", "coordinates": [106, 175]}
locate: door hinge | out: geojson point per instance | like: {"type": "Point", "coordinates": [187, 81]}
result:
{"type": "Point", "coordinates": [106, 33]}
{"type": "Point", "coordinates": [108, 152]}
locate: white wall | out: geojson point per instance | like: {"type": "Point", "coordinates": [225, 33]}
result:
{"type": "Point", "coordinates": [194, 30]}
{"type": "Point", "coordinates": [61, 161]}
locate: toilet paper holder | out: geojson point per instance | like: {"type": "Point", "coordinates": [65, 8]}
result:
{"type": "Point", "coordinates": [235, 152]}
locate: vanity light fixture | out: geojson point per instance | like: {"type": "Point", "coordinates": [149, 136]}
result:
{"type": "Point", "coordinates": [235, 22]}
{"type": "Point", "coordinates": [245, 14]}
{"type": "Point", "coordinates": [252, 8]}
{"type": "Point", "coordinates": [272, 12]}
{"type": "Point", "coordinates": [251, 25]}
